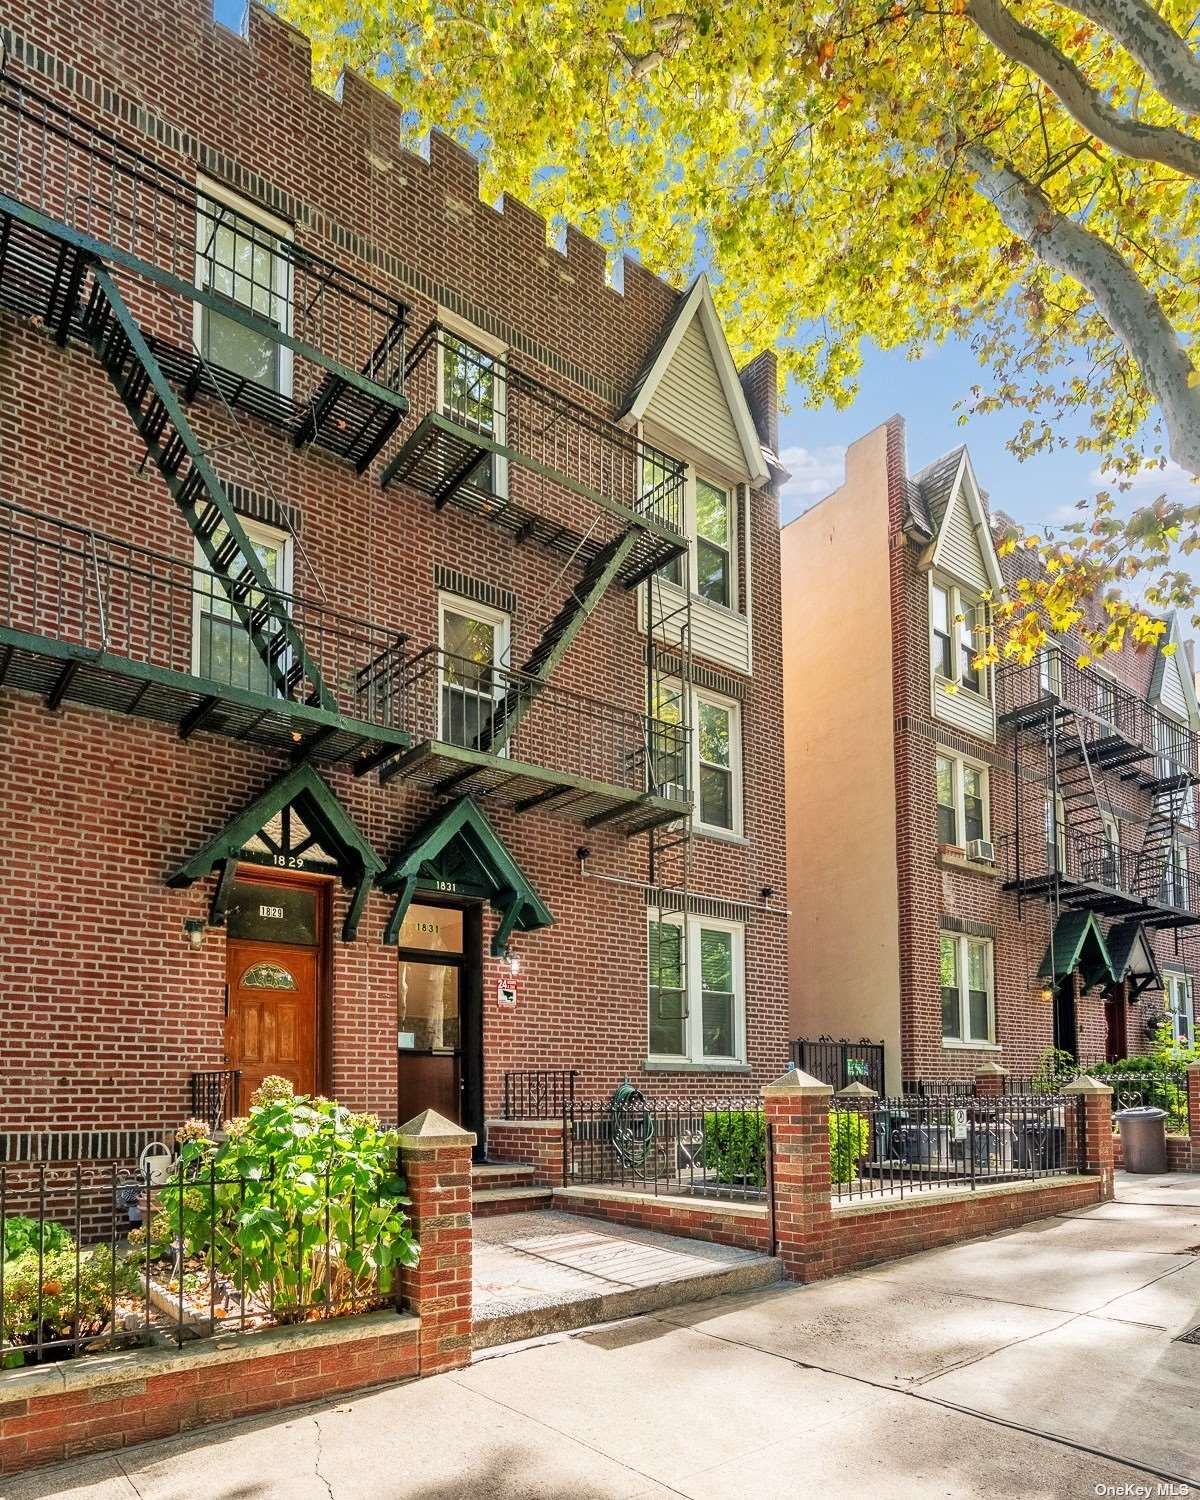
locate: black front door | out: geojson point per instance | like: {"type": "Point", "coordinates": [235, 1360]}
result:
{"type": "Point", "coordinates": [1066, 1030]}
{"type": "Point", "coordinates": [439, 1035]}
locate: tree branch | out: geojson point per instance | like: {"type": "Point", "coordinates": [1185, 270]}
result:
{"type": "Point", "coordinates": [1130, 310]}
{"type": "Point", "coordinates": [1133, 138]}
{"type": "Point", "coordinates": [1170, 63]}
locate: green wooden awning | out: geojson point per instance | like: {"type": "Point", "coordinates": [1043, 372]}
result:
{"type": "Point", "coordinates": [1078, 943]}
{"type": "Point", "coordinates": [1133, 959]}
{"type": "Point", "coordinates": [459, 851]}
{"type": "Point", "coordinates": [321, 836]}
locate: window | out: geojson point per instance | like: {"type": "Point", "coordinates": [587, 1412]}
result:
{"type": "Point", "coordinates": [1178, 996]}
{"type": "Point", "coordinates": [967, 967]}
{"type": "Point", "coordinates": [241, 259]}
{"type": "Point", "coordinates": [222, 650]}
{"type": "Point", "coordinates": [954, 619]}
{"type": "Point", "coordinates": [1105, 697]}
{"type": "Point", "coordinates": [1056, 835]}
{"type": "Point", "coordinates": [709, 512]}
{"type": "Point", "coordinates": [1111, 872]}
{"type": "Point", "coordinates": [668, 740]}
{"type": "Point", "coordinates": [962, 801]}
{"type": "Point", "coordinates": [474, 654]}
{"type": "Point", "coordinates": [655, 498]}
{"type": "Point", "coordinates": [718, 756]}
{"type": "Point", "coordinates": [1050, 672]}
{"type": "Point", "coordinates": [696, 992]}
{"type": "Point", "coordinates": [472, 385]}
{"type": "Point", "coordinates": [1176, 887]}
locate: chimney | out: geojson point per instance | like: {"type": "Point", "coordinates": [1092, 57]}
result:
{"type": "Point", "coordinates": [760, 383]}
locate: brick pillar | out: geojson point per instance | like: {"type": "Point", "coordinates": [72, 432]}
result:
{"type": "Point", "coordinates": [1095, 1099]}
{"type": "Point", "coordinates": [1193, 1106]}
{"type": "Point", "coordinates": [797, 1115]}
{"type": "Point", "coordinates": [435, 1158]}
{"type": "Point", "coordinates": [989, 1080]}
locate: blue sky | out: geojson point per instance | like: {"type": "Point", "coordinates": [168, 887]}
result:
{"type": "Point", "coordinates": [924, 392]}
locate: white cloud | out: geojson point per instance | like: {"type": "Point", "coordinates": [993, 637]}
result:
{"type": "Point", "coordinates": [814, 472]}
{"type": "Point", "coordinates": [1149, 483]}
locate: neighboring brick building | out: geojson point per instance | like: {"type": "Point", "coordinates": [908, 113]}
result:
{"type": "Point", "coordinates": [328, 499]}
{"type": "Point", "coordinates": [929, 909]}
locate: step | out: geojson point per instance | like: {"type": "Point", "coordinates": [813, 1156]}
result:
{"type": "Point", "coordinates": [508, 1200]}
{"type": "Point", "coordinates": [501, 1174]}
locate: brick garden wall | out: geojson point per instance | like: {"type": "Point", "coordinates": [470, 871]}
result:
{"type": "Point", "coordinates": [106, 1013]}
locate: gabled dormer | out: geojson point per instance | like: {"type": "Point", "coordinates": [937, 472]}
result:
{"type": "Point", "coordinates": [689, 401]}
{"type": "Point", "coordinates": [963, 572]}
{"type": "Point", "coordinates": [1172, 686]}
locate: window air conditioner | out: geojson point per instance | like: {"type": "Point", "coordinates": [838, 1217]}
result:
{"type": "Point", "coordinates": [982, 849]}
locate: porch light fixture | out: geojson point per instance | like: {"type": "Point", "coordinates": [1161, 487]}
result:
{"type": "Point", "coordinates": [194, 928]}
{"type": "Point", "coordinates": [514, 963]}
{"type": "Point", "coordinates": [1047, 992]}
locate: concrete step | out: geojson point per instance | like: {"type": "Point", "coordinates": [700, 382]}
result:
{"type": "Point", "coordinates": [501, 1174]}
{"type": "Point", "coordinates": [508, 1200]}
{"type": "Point", "coordinates": [511, 1327]}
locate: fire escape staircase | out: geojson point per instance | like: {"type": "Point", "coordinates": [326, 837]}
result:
{"type": "Point", "coordinates": [122, 349]}
{"type": "Point", "coordinates": [1087, 809]}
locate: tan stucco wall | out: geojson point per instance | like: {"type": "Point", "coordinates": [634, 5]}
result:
{"type": "Point", "coordinates": [841, 785]}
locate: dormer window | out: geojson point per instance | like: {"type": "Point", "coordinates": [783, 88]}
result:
{"type": "Point", "coordinates": [714, 542]}
{"type": "Point", "coordinates": [954, 617]}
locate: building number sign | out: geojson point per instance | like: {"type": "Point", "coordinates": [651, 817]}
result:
{"type": "Point", "coordinates": [275, 913]}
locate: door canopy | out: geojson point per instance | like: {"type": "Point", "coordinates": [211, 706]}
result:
{"type": "Point", "coordinates": [296, 824]}
{"type": "Point", "coordinates": [458, 851]}
{"type": "Point", "coordinates": [1133, 960]}
{"type": "Point", "coordinates": [1078, 943]}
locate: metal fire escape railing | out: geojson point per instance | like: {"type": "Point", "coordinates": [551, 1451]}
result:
{"type": "Point", "coordinates": [1074, 733]}
{"type": "Point", "coordinates": [318, 349]}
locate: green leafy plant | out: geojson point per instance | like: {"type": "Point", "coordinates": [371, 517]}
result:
{"type": "Point", "coordinates": [849, 1142]}
{"type": "Point", "coordinates": [1157, 1080]}
{"type": "Point", "coordinates": [299, 1207]}
{"type": "Point", "coordinates": [21, 1237]}
{"type": "Point", "coordinates": [735, 1146]}
{"type": "Point", "coordinates": [46, 1296]}
{"type": "Point", "coordinates": [1055, 1069]}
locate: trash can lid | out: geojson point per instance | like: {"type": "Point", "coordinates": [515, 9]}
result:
{"type": "Point", "coordinates": [1140, 1112]}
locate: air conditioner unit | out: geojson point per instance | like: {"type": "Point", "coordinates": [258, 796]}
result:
{"type": "Point", "coordinates": [982, 849]}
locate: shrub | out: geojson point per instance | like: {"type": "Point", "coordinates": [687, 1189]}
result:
{"type": "Point", "coordinates": [735, 1146]}
{"type": "Point", "coordinates": [849, 1142]}
{"type": "Point", "coordinates": [1055, 1069]}
{"type": "Point", "coordinates": [46, 1296]}
{"type": "Point", "coordinates": [21, 1236]}
{"type": "Point", "coordinates": [300, 1205]}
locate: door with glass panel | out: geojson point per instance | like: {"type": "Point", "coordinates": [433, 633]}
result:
{"type": "Point", "coordinates": [222, 649]}
{"type": "Point", "coordinates": [437, 1045]}
{"type": "Point", "coordinates": [473, 395]}
{"type": "Point", "coordinates": [247, 265]}
{"type": "Point", "coordinates": [474, 648]}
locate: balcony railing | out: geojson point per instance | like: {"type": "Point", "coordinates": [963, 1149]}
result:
{"type": "Point", "coordinates": [499, 442]}
{"type": "Point", "coordinates": [451, 700]}
{"type": "Point", "coordinates": [1093, 870]}
{"type": "Point", "coordinates": [282, 332]}
{"type": "Point", "coordinates": [89, 618]}
{"type": "Point", "coordinates": [1114, 719]}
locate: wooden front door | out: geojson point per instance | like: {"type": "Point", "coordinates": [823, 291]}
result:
{"type": "Point", "coordinates": [1115, 1041]}
{"type": "Point", "coordinates": [272, 1021]}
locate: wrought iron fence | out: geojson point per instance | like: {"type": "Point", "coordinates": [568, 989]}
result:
{"type": "Point", "coordinates": [214, 1096]}
{"type": "Point", "coordinates": [915, 1143]}
{"type": "Point", "coordinates": [839, 1063]}
{"type": "Point", "coordinates": [456, 700]}
{"type": "Point", "coordinates": [81, 587]}
{"type": "Point", "coordinates": [101, 1258]}
{"type": "Point", "coordinates": [705, 1148]}
{"type": "Point", "coordinates": [1155, 1090]}
{"type": "Point", "coordinates": [84, 177]}
{"type": "Point", "coordinates": [939, 1088]}
{"type": "Point", "coordinates": [539, 1093]}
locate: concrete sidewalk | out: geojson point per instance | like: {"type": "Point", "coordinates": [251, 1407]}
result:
{"type": "Point", "coordinates": [1041, 1362]}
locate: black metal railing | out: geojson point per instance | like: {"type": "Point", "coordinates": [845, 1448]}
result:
{"type": "Point", "coordinates": [96, 1259]}
{"type": "Point", "coordinates": [842, 1062]}
{"type": "Point", "coordinates": [85, 178]}
{"type": "Point", "coordinates": [490, 396]}
{"type": "Point", "coordinates": [1108, 708]}
{"type": "Point", "coordinates": [892, 1147]}
{"type": "Point", "coordinates": [539, 1093]}
{"type": "Point", "coordinates": [1149, 1090]}
{"type": "Point", "coordinates": [456, 700]}
{"type": "Point", "coordinates": [939, 1088]}
{"type": "Point", "coordinates": [80, 587]}
{"type": "Point", "coordinates": [695, 1148]}
{"type": "Point", "coordinates": [214, 1096]}
{"type": "Point", "coordinates": [1147, 877]}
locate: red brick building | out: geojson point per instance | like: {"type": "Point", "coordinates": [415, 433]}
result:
{"type": "Point", "coordinates": [983, 864]}
{"type": "Point", "coordinates": [388, 605]}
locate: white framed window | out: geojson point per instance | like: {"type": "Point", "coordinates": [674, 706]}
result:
{"type": "Point", "coordinates": [222, 650]}
{"type": "Point", "coordinates": [963, 804]}
{"type": "Point", "coordinates": [240, 259]}
{"type": "Point", "coordinates": [718, 763]}
{"type": "Point", "coordinates": [669, 774]}
{"type": "Point", "coordinates": [1056, 834]}
{"type": "Point", "coordinates": [1049, 662]}
{"type": "Point", "coordinates": [473, 392]}
{"type": "Point", "coordinates": [474, 656]}
{"type": "Point", "coordinates": [1104, 694]}
{"type": "Point", "coordinates": [1111, 872]}
{"type": "Point", "coordinates": [1177, 994]}
{"type": "Point", "coordinates": [696, 994]}
{"type": "Point", "coordinates": [955, 621]}
{"type": "Point", "coordinates": [967, 968]}
{"type": "Point", "coordinates": [710, 521]}
{"type": "Point", "coordinates": [1176, 886]}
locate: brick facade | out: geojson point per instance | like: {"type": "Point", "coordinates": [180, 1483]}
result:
{"type": "Point", "coordinates": [106, 1007]}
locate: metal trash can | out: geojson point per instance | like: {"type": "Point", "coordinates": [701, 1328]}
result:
{"type": "Point", "coordinates": [1143, 1138]}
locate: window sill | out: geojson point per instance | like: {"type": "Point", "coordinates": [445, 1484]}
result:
{"type": "Point", "coordinates": [950, 1044]}
{"type": "Point", "coordinates": [681, 1065]}
{"type": "Point", "coordinates": [950, 857]}
{"type": "Point", "coordinates": [722, 835]}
